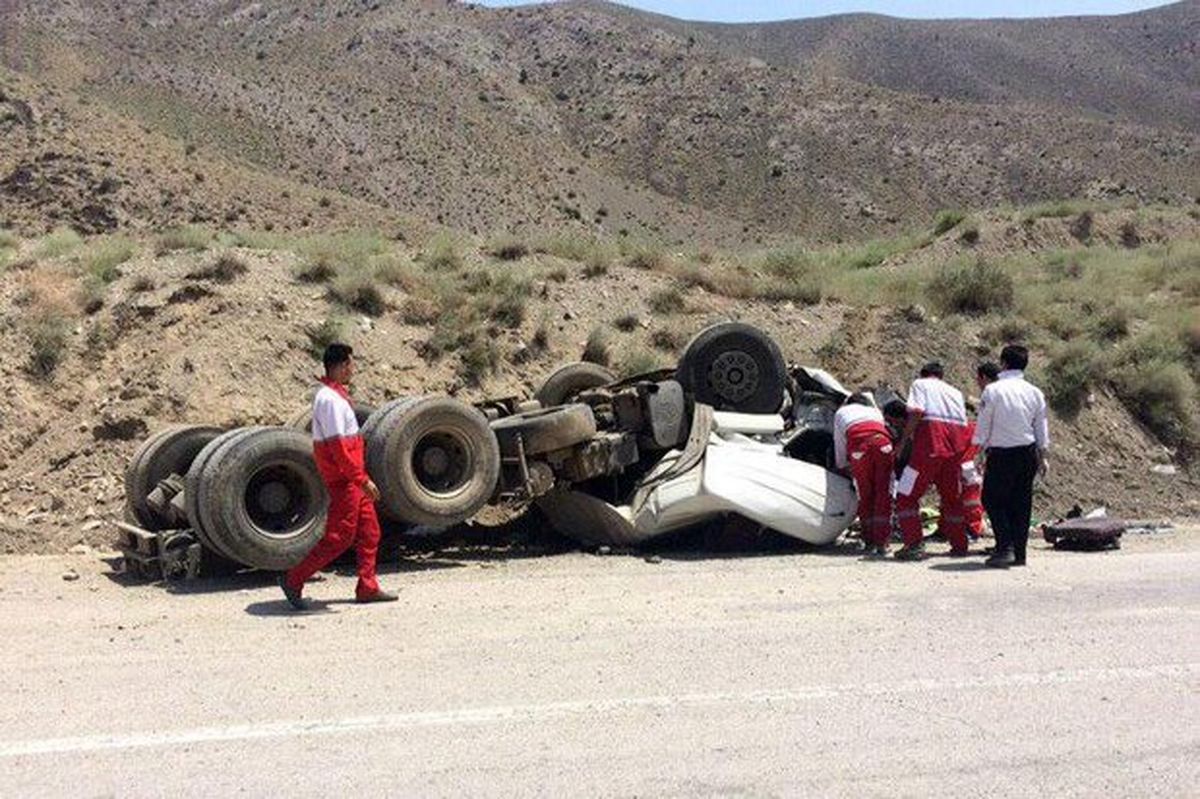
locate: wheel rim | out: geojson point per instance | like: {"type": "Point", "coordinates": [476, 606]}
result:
{"type": "Point", "coordinates": [734, 376]}
{"type": "Point", "coordinates": [279, 500]}
{"type": "Point", "coordinates": [442, 462]}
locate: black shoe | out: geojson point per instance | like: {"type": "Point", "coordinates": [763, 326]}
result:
{"type": "Point", "coordinates": [1018, 561]}
{"type": "Point", "coordinates": [1000, 560]}
{"type": "Point", "coordinates": [378, 596]}
{"type": "Point", "coordinates": [915, 552]}
{"type": "Point", "coordinates": [293, 596]}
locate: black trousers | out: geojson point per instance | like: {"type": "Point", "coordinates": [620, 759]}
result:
{"type": "Point", "coordinates": [1008, 495]}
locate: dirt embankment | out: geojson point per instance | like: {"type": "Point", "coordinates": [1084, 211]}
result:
{"type": "Point", "coordinates": [169, 346]}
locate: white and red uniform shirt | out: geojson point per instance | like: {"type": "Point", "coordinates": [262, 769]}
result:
{"type": "Point", "coordinates": [942, 431]}
{"type": "Point", "coordinates": [337, 445]}
{"type": "Point", "coordinates": [855, 427]}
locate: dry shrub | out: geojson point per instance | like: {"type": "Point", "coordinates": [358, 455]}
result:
{"type": "Point", "coordinates": [185, 237]}
{"type": "Point", "coordinates": [419, 310]}
{"type": "Point", "coordinates": [626, 323]}
{"type": "Point", "coordinates": [596, 349]}
{"type": "Point", "coordinates": [667, 340]}
{"type": "Point", "coordinates": [225, 269]}
{"type": "Point", "coordinates": [667, 301]}
{"type": "Point", "coordinates": [972, 288]}
{"type": "Point", "coordinates": [507, 248]}
{"type": "Point", "coordinates": [48, 298]}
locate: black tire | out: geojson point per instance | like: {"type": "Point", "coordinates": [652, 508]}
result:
{"type": "Point", "coordinates": [587, 519]}
{"type": "Point", "coordinates": [567, 381]}
{"type": "Point", "coordinates": [169, 451]}
{"type": "Point", "coordinates": [546, 430]}
{"type": "Point", "coordinates": [196, 511]}
{"type": "Point", "coordinates": [435, 460]}
{"type": "Point", "coordinates": [734, 367]}
{"type": "Point", "coordinates": [260, 499]}
{"type": "Point", "coordinates": [303, 419]}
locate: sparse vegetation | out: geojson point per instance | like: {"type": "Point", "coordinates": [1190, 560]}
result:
{"type": "Point", "coordinates": [572, 247]}
{"type": "Point", "coordinates": [667, 340]}
{"type": "Point", "coordinates": [947, 220]}
{"type": "Point", "coordinates": [48, 303]}
{"type": "Point", "coordinates": [972, 288]}
{"type": "Point", "coordinates": [225, 268]}
{"type": "Point", "coordinates": [646, 256]}
{"type": "Point", "coordinates": [639, 361]}
{"type": "Point", "coordinates": [58, 243]}
{"type": "Point", "coordinates": [626, 323]}
{"type": "Point", "coordinates": [48, 338]}
{"type": "Point", "coordinates": [332, 330]}
{"type": "Point", "coordinates": [419, 310]}
{"type": "Point", "coordinates": [190, 238]}
{"type": "Point", "coordinates": [1070, 374]}
{"type": "Point", "coordinates": [104, 256]}
{"type": "Point", "coordinates": [596, 349]}
{"type": "Point", "coordinates": [442, 255]}
{"type": "Point", "coordinates": [507, 248]}
{"type": "Point", "coordinates": [667, 301]}
{"type": "Point", "coordinates": [357, 289]}
{"type": "Point", "coordinates": [596, 265]}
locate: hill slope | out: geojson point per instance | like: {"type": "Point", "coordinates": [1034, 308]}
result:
{"type": "Point", "coordinates": [588, 115]}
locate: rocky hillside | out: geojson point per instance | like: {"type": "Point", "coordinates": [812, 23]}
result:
{"type": "Point", "coordinates": [582, 115]}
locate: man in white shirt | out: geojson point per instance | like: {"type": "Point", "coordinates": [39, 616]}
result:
{"type": "Point", "coordinates": [1013, 430]}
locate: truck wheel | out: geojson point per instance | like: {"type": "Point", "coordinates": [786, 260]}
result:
{"type": "Point", "coordinates": [192, 489]}
{"type": "Point", "coordinates": [734, 367]}
{"type": "Point", "coordinates": [567, 381]}
{"type": "Point", "coordinates": [435, 460]}
{"type": "Point", "coordinates": [303, 419]}
{"type": "Point", "coordinates": [167, 452]}
{"type": "Point", "coordinates": [546, 430]}
{"type": "Point", "coordinates": [259, 497]}
{"type": "Point", "coordinates": [587, 519]}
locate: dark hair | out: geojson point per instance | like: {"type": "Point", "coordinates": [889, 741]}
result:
{"type": "Point", "coordinates": [858, 398]}
{"type": "Point", "coordinates": [895, 409]}
{"type": "Point", "coordinates": [1014, 356]}
{"type": "Point", "coordinates": [336, 354]}
{"type": "Point", "coordinates": [932, 369]}
{"type": "Point", "coordinates": [987, 370]}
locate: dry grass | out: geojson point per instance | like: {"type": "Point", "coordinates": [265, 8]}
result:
{"type": "Point", "coordinates": [188, 238]}
{"type": "Point", "coordinates": [225, 268]}
{"type": "Point", "coordinates": [596, 349]}
{"type": "Point", "coordinates": [48, 299]}
{"type": "Point", "coordinates": [58, 243]}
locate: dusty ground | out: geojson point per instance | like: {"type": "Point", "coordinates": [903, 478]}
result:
{"type": "Point", "coordinates": [800, 674]}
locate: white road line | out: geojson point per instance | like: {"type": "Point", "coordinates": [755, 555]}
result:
{"type": "Point", "coordinates": [526, 713]}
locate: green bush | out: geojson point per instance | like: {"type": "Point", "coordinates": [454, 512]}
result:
{"type": "Point", "coordinates": [357, 289]}
{"type": "Point", "coordinates": [9, 240]}
{"type": "Point", "coordinates": [49, 334]}
{"type": "Point", "coordinates": [479, 358]}
{"type": "Point", "coordinates": [572, 247]}
{"type": "Point", "coordinates": [104, 256]}
{"type": "Point", "coordinates": [646, 256]}
{"type": "Point", "coordinates": [1113, 324]}
{"type": "Point", "coordinates": [58, 243]}
{"type": "Point", "coordinates": [972, 288]}
{"type": "Point", "coordinates": [322, 257]}
{"type": "Point", "coordinates": [947, 220]}
{"type": "Point", "coordinates": [191, 238]}
{"type": "Point", "coordinates": [1161, 396]}
{"type": "Point", "coordinates": [1070, 375]}
{"type": "Point", "coordinates": [442, 255]}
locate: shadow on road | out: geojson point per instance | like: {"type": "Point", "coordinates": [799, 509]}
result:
{"type": "Point", "coordinates": [959, 566]}
{"type": "Point", "coordinates": [280, 607]}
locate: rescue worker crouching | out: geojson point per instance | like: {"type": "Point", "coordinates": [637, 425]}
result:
{"type": "Point", "coordinates": [340, 454]}
{"type": "Point", "coordinates": [862, 443]}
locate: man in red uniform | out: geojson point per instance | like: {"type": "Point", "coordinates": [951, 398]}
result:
{"type": "Point", "coordinates": [861, 441]}
{"type": "Point", "coordinates": [937, 427]}
{"type": "Point", "coordinates": [339, 452]}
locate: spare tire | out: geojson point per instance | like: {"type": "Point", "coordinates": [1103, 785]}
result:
{"type": "Point", "coordinates": [435, 460]}
{"type": "Point", "coordinates": [257, 498]}
{"type": "Point", "coordinates": [567, 381]}
{"type": "Point", "coordinates": [302, 420]}
{"type": "Point", "coordinates": [734, 367]}
{"type": "Point", "coordinates": [169, 451]}
{"type": "Point", "coordinates": [545, 430]}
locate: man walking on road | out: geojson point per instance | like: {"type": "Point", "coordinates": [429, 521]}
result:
{"type": "Point", "coordinates": [861, 442]}
{"type": "Point", "coordinates": [937, 427]}
{"type": "Point", "coordinates": [1013, 430]}
{"type": "Point", "coordinates": [339, 452]}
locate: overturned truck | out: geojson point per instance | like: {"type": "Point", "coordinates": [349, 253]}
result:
{"type": "Point", "coordinates": [730, 430]}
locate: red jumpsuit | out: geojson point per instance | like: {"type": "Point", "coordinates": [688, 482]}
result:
{"type": "Point", "coordinates": [972, 490]}
{"type": "Point", "coordinates": [340, 454]}
{"type": "Point", "coordinates": [861, 440]}
{"type": "Point", "coordinates": [937, 456]}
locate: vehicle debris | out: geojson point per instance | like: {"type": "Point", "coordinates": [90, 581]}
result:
{"type": "Point", "coordinates": [731, 431]}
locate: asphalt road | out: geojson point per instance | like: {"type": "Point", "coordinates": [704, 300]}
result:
{"type": "Point", "coordinates": [575, 674]}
